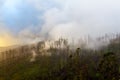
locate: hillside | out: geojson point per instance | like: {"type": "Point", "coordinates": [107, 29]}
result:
{"type": "Point", "coordinates": [35, 62]}
{"type": "Point", "coordinates": [2, 49]}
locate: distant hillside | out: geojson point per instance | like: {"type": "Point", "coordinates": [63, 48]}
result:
{"type": "Point", "coordinates": [7, 48]}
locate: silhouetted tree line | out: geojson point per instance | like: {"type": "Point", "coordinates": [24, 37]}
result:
{"type": "Point", "coordinates": [63, 63]}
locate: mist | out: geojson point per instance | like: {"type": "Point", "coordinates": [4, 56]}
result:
{"type": "Point", "coordinates": [59, 39]}
{"type": "Point", "coordinates": [68, 19]}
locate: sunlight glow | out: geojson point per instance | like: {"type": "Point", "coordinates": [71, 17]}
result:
{"type": "Point", "coordinates": [7, 40]}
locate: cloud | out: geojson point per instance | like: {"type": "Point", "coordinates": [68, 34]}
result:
{"type": "Point", "coordinates": [18, 14]}
{"type": "Point", "coordinates": [82, 17]}
{"type": "Point", "coordinates": [30, 35]}
{"type": "Point", "coordinates": [68, 18]}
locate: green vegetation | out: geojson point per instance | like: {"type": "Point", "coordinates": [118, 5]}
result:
{"type": "Point", "coordinates": [62, 64]}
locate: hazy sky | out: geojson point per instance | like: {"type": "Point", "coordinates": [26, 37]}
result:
{"type": "Point", "coordinates": [26, 20]}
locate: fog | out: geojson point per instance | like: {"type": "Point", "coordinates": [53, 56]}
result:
{"type": "Point", "coordinates": [71, 19]}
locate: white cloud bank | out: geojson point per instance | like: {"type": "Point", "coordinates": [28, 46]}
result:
{"type": "Point", "coordinates": [76, 18]}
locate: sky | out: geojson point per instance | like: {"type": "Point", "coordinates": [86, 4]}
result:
{"type": "Point", "coordinates": [23, 21]}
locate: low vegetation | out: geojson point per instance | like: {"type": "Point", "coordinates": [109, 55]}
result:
{"type": "Point", "coordinates": [61, 63]}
